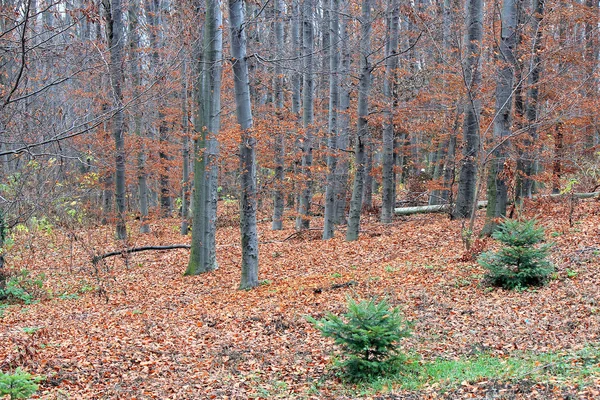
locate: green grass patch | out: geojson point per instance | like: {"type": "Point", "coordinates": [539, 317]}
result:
{"type": "Point", "coordinates": [558, 368]}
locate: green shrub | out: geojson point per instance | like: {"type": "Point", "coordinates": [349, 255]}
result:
{"type": "Point", "coordinates": [369, 334]}
{"type": "Point", "coordinates": [18, 385]}
{"type": "Point", "coordinates": [522, 261]}
{"type": "Point", "coordinates": [21, 287]}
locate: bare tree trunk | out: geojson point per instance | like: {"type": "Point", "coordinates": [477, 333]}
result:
{"type": "Point", "coordinates": [279, 140]}
{"type": "Point", "coordinates": [134, 40]}
{"type": "Point", "coordinates": [247, 148]}
{"type": "Point", "coordinates": [391, 64]}
{"type": "Point", "coordinates": [531, 110]}
{"type": "Point", "coordinates": [207, 124]}
{"type": "Point", "coordinates": [362, 134]}
{"type": "Point", "coordinates": [472, 76]}
{"type": "Point", "coordinates": [341, 171]}
{"type": "Point", "coordinates": [497, 188]}
{"type": "Point", "coordinates": [303, 220]}
{"type": "Point", "coordinates": [332, 150]}
{"type": "Point", "coordinates": [185, 152]}
{"type": "Point", "coordinates": [115, 35]}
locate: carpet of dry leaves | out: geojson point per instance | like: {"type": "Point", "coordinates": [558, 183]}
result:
{"type": "Point", "coordinates": [141, 330]}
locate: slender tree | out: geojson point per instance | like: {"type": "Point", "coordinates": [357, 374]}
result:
{"type": "Point", "coordinates": [278, 201]}
{"type": "Point", "coordinates": [362, 136]}
{"type": "Point", "coordinates": [391, 64]}
{"type": "Point", "coordinates": [247, 147]}
{"type": "Point", "coordinates": [497, 187]}
{"type": "Point", "coordinates": [207, 124]}
{"type": "Point", "coordinates": [114, 27]}
{"type": "Point", "coordinates": [308, 114]}
{"type": "Point", "coordinates": [472, 76]}
{"type": "Point", "coordinates": [332, 143]}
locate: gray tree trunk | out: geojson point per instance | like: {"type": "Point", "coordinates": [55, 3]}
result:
{"type": "Point", "coordinates": [115, 34]}
{"type": "Point", "coordinates": [247, 147]}
{"type": "Point", "coordinates": [278, 201]}
{"type": "Point", "coordinates": [332, 143]}
{"type": "Point", "coordinates": [472, 76]}
{"type": "Point", "coordinates": [531, 109]}
{"type": "Point", "coordinates": [497, 188]}
{"type": "Point", "coordinates": [134, 40]}
{"type": "Point", "coordinates": [391, 65]}
{"type": "Point", "coordinates": [341, 172]}
{"type": "Point", "coordinates": [362, 134]}
{"type": "Point", "coordinates": [207, 124]}
{"type": "Point", "coordinates": [303, 220]}
{"type": "Point", "coordinates": [185, 152]}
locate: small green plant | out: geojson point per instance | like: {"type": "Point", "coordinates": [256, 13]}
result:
{"type": "Point", "coordinates": [522, 261]}
{"type": "Point", "coordinates": [369, 334]}
{"type": "Point", "coordinates": [68, 296]}
{"type": "Point", "coordinates": [21, 287]}
{"type": "Point", "coordinates": [265, 282]}
{"type": "Point", "coordinates": [336, 275]}
{"type": "Point", "coordinates": [18, 385]}
{"type": "Point", "coordinates": [571, 273]}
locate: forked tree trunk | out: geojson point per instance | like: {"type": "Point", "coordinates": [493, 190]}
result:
{"type": "Point", "coordinates": [207, 124]}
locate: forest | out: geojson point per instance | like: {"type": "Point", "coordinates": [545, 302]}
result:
{"type": "Point", "coordinates": [299, 199]}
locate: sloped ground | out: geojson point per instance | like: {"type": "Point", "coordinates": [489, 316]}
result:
{"type": "Point", "coordinates": [143, 330]}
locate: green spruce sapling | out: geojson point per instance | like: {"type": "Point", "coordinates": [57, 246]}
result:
{"type": "Point", "coordinates": [521, 262]}
{"type": "Point", "coordinates": [369, 334]}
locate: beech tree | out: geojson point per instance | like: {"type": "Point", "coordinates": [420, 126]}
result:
{"type": "Point", "coordinates": [249, 240]}
{"type": "Point", "coordinates": [207, 125]}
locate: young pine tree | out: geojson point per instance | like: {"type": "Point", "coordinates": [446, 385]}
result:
{"type": "Point", "coordinates": [522, 261]}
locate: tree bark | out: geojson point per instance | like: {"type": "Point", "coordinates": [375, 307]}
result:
{"type": "Point", "coordinates": [332, 143]}
{"type": "Point", "coordinates": [303, 220]}
{"type": "Point", "coordinates": [247, 147]}
{"type": "Point", "coordinates": [362, 135]}
{"type": "Point", "coordinates": [115, 35]}
{"type": "Point", "coordinates": [278, 201]}
{"type": "Point", "coordinates": [497, 187]}
{"type": "Point", "coordinates": [472, 77]}
{"type": "Point", "coordinates": [207, 124]}
{"type": "Point", "coordinates": [391, 65]}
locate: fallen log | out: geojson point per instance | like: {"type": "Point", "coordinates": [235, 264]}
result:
{"type": "Point", "coordinates": [480, 204]}
{"type": "Point", "coordinates": [100, 257]}
{"type": "Point", "coordinates": [430, 209]}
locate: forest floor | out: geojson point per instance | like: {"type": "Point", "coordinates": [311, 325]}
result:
{"type": "Point", "coordinates": [143, 330]}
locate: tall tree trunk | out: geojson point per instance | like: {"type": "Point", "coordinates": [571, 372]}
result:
{"type": "Point", "coordinates": [278, 202]}
{"type": "Point", "coordinates": [332, 143]}
{"type": "Point", "coordinates": [115, 36]}
{"type": "Point", "coordinates": [472, 77]}
{"type": "Point", "coordinates": [134, 41]}
{"type": "Point", "coordinates": [531, 109]}
{"type": "Point", "coordinates": [247, 147]}
{"type": "Point", "coordinates": [341, 171]}
{"type": "Point", "coordinates": [185, 152]}
{"type": "Point", "coordinates": [391, 65]}
{"type": "Point", "coordinates": [207, 124]}
{"type": "Point", "coordinates": [362, 134]}
{"type": "Point", "coordinates": [303, 220]}
{"type": "Point", "coordinates": [497, 187]}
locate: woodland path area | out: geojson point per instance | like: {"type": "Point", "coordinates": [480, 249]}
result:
{"type": "Point", "coordinates": [150, 332]}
